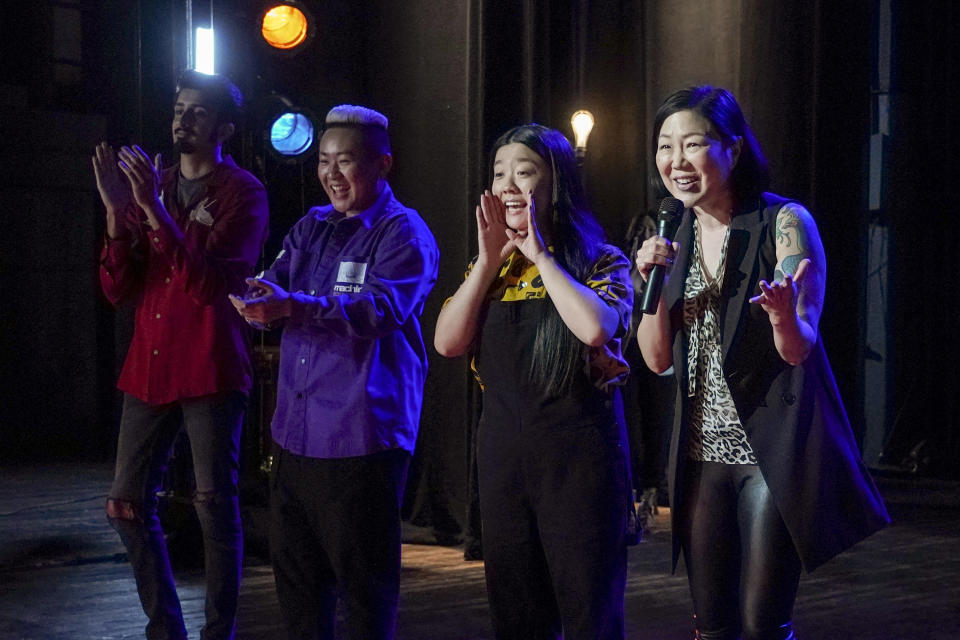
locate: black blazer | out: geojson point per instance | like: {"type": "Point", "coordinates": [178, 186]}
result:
{"type": "Point", "coordinates": [793, 415]}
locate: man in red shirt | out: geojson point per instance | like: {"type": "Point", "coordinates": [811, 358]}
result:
{"type": "Point", "coordinates": [178, 241]}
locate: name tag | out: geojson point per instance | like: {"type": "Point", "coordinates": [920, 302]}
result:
{"type": "Point", "coordinates": [352, 272]}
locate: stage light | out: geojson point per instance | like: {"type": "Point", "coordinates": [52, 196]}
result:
{"type": "Point", "coordinates": [292, 135]}
{"type": "Point", "coordinates": [582, 123]}
{"type": "Point", "coordinates": [204, 51]}
{"type": "Point", "coordinates": [285, 26]}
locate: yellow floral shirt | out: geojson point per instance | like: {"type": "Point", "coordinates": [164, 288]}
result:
{"type": "Point", "coordinates": [519, 280]}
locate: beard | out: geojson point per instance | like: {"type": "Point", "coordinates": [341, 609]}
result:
{"type": "Point", "coordinates": [181, 145]}
{"type": "Point", "coordinates": [184, 146]}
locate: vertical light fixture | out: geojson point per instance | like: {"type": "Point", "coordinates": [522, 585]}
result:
{"type": "Point", "coordinates": [191, 51]}
{"type": "Point", "coordinates": [582, 121]}
{"type": "Point", "coordinates": [200, 49]}
{"type": "Point", "coordinates": [204, 51]}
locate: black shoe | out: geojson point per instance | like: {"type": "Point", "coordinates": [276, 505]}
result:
{"type": "Point", "coordinates": [472, 551]}
{"type": "Point", "coordinates": [647, 508]}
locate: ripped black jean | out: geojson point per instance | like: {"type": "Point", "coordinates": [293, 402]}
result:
{"type": "Point", "coordinates": [741, 563]}
{"type": "Point", "coordinates": [213, 424]}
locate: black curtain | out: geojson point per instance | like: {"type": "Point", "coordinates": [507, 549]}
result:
{"type": "Point", "coordinates": [924, 299]}
{"type": "Point", "coordinates": [452, 76]}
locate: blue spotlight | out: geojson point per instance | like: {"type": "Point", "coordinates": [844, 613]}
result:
{"type": "Point", "coordinates": [292, 134]}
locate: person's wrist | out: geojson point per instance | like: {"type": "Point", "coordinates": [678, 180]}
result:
{"type": "Point", "coordinates": [483, 263]}
{"type": "Point", "coordinates": [293, 307]}
{"type": "Point", "coordinates": [784, 320]}
{"type": "Point", "coordinates": [153, 206]}
{"type": "Point", "coordinates": [543, 258]}
{"type": "Point", "coordinates": [486, 262]}
{"type": "Point", "coordinates": [156, 214]}
{"type": "Point", "coordinates": [115, 230]}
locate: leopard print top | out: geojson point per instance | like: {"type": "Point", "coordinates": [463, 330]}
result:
{"type": "Point", "coordinates": [716, 434]}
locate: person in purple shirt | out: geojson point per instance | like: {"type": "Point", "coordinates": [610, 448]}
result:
{"type": "Point", "coordinates": [349, 288]}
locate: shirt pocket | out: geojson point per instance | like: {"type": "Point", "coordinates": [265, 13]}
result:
{"type": "Point", "coordinates": [306, 271]}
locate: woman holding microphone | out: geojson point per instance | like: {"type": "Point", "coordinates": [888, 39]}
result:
{"type": "Point", "coordinates": [765, 475]}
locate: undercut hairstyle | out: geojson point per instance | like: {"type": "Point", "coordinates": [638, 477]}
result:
{"type": "Point", "coordinates": [750, 176]}
{"type": "Point", "coordinates": [558, 356]}
{"type": "Point", "coordinates": [225, 98]}
{"type": "Point", "coordinates": [372, 123]}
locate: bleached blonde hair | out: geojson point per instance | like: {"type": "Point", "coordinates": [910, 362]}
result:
{"type": "Point", "coordinates": [347, 114]}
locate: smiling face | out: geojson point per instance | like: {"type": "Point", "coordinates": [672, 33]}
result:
{"type": "Point", "coordinates": [350, 169]}
{"type": "Point", "coordinates": [517, 171]}
{"type": "Point", "coordinates": [694, 164]}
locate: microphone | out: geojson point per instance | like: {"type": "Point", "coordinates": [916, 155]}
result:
{"type": "Point", "coordinates": [668, 219]}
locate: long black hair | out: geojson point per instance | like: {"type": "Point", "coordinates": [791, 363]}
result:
{"type": "Point", "coordinates": [576, 237]}
{"type": "Point", "coordinates": [750, 176]}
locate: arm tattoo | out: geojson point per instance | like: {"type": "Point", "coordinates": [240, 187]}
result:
{"type": "Point", "coordinates": [791, 242]}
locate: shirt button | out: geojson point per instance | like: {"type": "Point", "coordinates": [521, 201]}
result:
{"type": "Point", "coordinates": [156, 239]}
{"type": "Point", "coordinates": [167, 280]}
{"type": "Point", "coordinates": [303, 361]}
{"type": "Point", "coordinates": [156, 352]}
{"type": "Point", "coordinates": [299, 396]}
{"type": "Point", "coordinates": [313, 292]}
{"type": "Point", "coordinates": [158, 316]}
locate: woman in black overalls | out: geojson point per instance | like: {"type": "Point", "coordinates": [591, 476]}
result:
{"type": "Point", "coordinates": [542, 310]}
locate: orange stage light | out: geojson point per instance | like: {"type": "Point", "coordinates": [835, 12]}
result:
{"type": "Point", "coordinates": [284, 27]}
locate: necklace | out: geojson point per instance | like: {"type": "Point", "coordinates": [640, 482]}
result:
{"type": "Point", "coordinates": [717, 277]}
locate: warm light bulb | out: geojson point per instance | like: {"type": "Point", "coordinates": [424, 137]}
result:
{"type": "Point", "coordinates": [284, 26]}
{"type": "Point", "coordinates": [582, 123]}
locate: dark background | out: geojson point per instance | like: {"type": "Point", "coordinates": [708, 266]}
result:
{"type": "Point", "coordinates": [816, 79]}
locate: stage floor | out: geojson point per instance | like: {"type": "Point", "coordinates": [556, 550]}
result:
{"type": "Point", "coordinates": [63, 574]}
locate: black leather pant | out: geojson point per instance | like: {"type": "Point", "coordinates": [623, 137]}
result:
{"type": "Point", "coordinates": [741, 563]}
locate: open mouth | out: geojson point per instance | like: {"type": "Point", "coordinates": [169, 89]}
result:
{"type": "Point", "coordinates": [515, 206]}
{"type": "Point", "coordinates": [686, 183]}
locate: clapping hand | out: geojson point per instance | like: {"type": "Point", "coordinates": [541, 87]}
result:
{"type": "Point", "coordinates": [114, 189]}
{"type": "Point", "coordinates": [269, 302]}
{"type": "Point", "coordinates": [143, 175]}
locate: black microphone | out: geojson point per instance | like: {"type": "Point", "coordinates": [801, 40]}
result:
{"type": "Point", "coordinates": [668, 219]}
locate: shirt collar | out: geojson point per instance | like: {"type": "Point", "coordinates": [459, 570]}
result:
{"type": "Point", "coordinates": [366, 217]}
{"type": "Point", "coordinates": [217, 177]}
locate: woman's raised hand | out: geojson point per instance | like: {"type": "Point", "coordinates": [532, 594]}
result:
{"type": "Point", "coordinates": [491, 230]}
{"type": "Point", "coordinates": [529, 242]}
{"type": "Point", "coordinates": [779, 298]}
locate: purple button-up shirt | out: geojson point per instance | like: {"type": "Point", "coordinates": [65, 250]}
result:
{"type": "Point", "coordinates": [352, 357]}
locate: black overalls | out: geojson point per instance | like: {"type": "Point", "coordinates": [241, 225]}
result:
{"type": "Point", "coordinates": [554, 492]}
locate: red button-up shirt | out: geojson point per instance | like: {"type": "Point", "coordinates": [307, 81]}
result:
{"type": "Point", "coordinates": [188, 339]}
